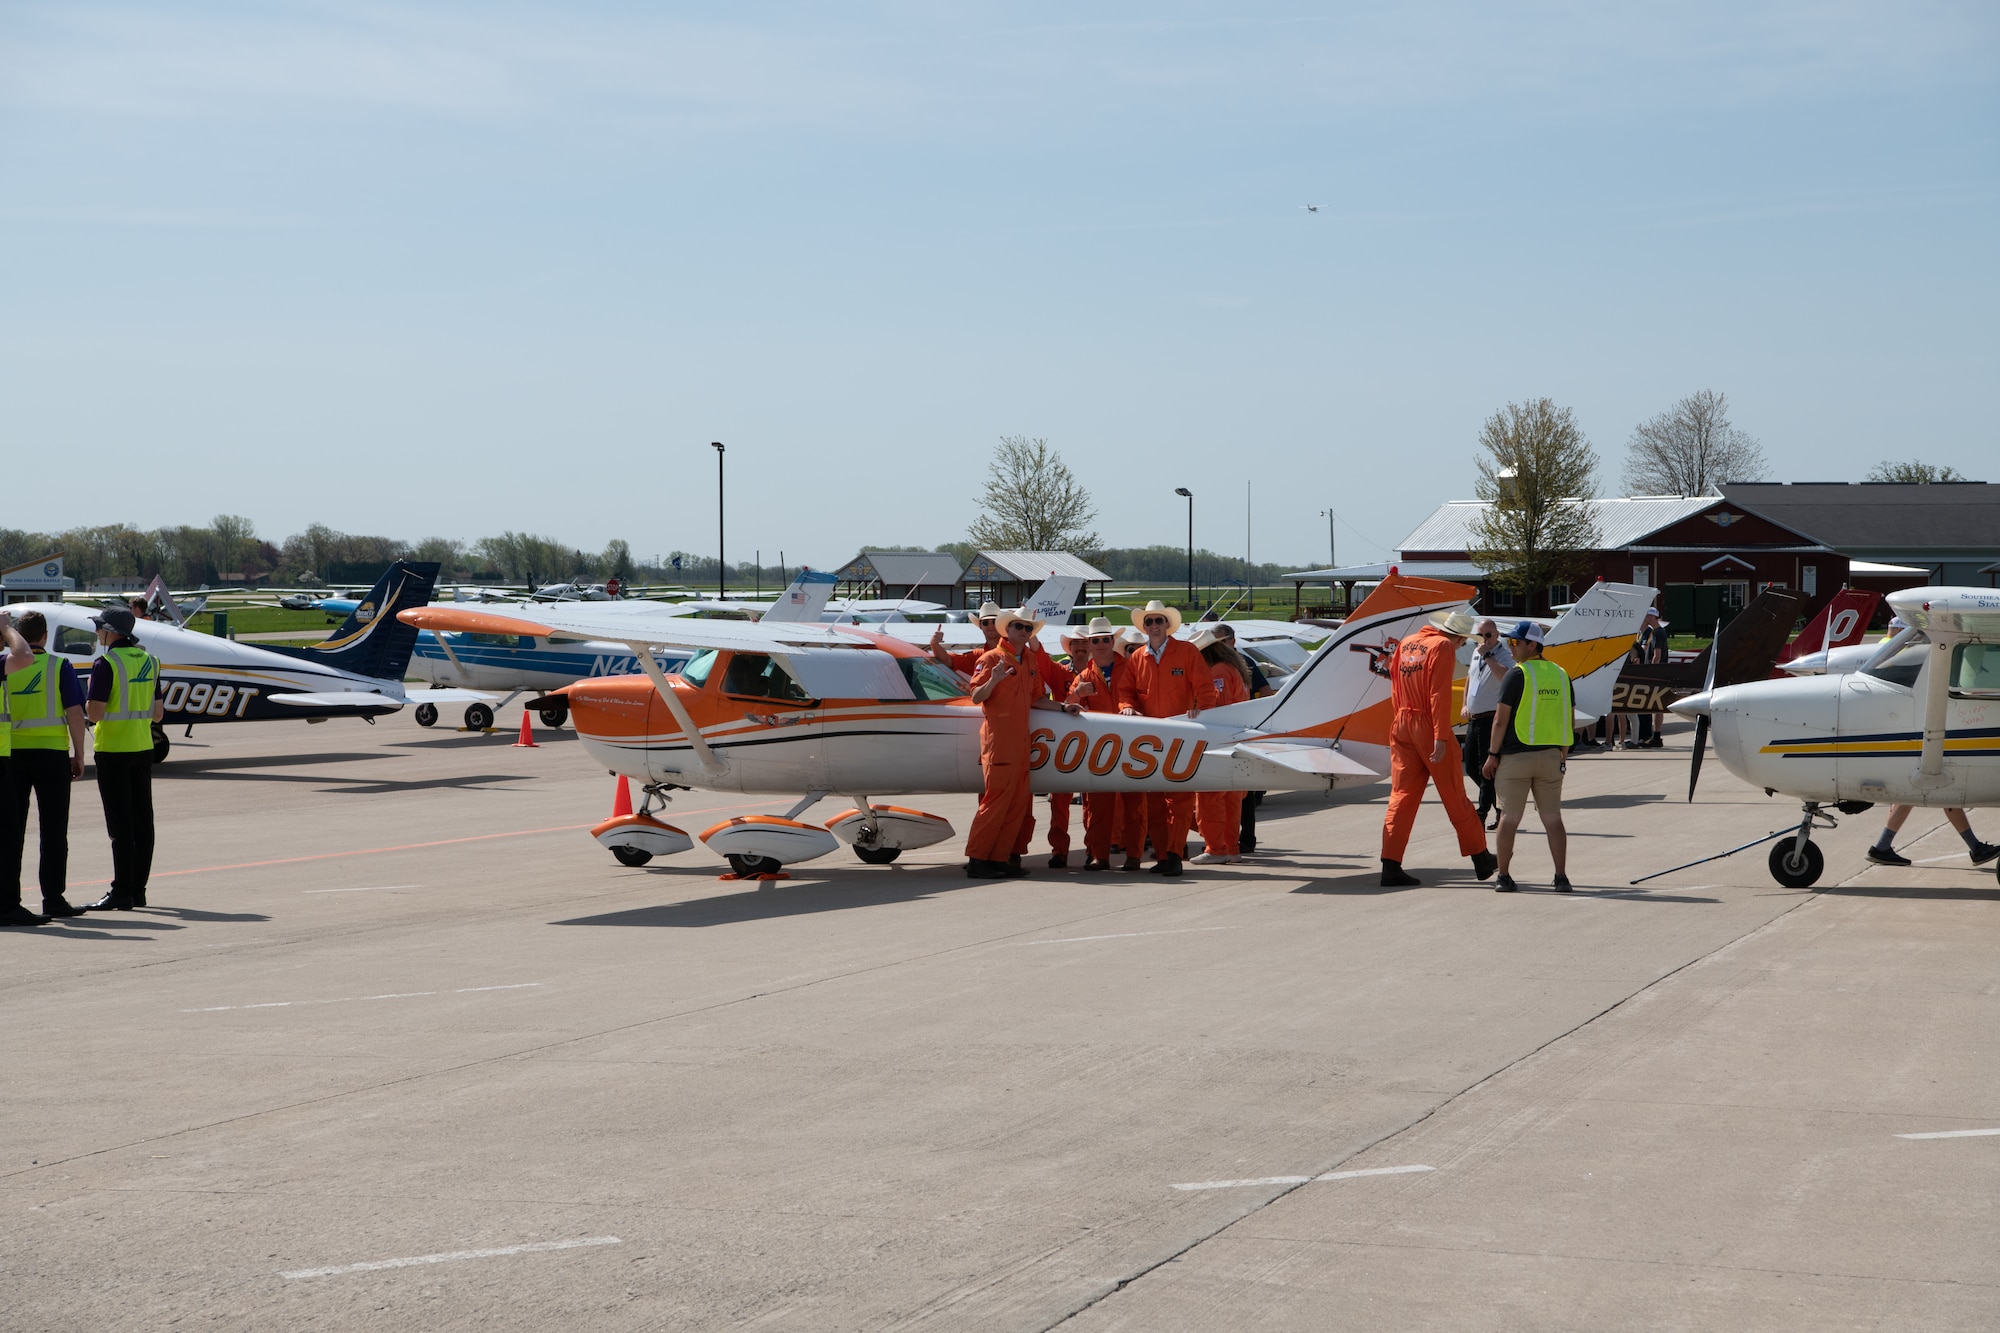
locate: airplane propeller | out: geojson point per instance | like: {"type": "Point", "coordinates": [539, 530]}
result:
{"type": "Point", "coordinates": [1701, 719]}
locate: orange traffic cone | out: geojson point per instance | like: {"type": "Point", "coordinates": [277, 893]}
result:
{"type": "Point", "coordinates": [621, 804]}
{"type": "Point", "coordinates": [527, 740]}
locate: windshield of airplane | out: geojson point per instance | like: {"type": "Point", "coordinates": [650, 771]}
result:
{"type": "Point", "coordinates": [1975, 671]}
{"type": "Point", "coordinates": [696, 671]}
{"type": "Point", "coordinates": [928, 680]}
{"type": "Point", "coordinates": [75, 642]}
{"type": "Point", "coordinates": [1903, 668]}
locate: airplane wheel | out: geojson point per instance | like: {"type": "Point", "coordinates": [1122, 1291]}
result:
{"type": "Point", "coordinates": [426, 715]}
{"type": "Point", "coordinates": [478, 717]}
{"type": "Point", "coordinates": [878, 856]}
{"type": "Point", "coordinates": [631, 856]}
{"type": "Point", "coordinates": [160, 744]}
{"type": "Point", "coordinates": [554, 712]}
{"type": "Point", "coordinates": [1797, 869]}
{"type": "Point", "coordinates": [746, 866]}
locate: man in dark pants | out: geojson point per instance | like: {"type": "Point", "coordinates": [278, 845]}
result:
{"type": "Point", "coordinates": [1260, 688]}
{"type": "Point", "coordinates": [46, 704]}
{"type": "Point", "coordinates": [18, 658]}
{"type": "Point", "coordinates": [1490, 664]}
{"type": "Point", "coordinates": [1652, 648]}
{"type": "Point", "coordinates": [124, 703]}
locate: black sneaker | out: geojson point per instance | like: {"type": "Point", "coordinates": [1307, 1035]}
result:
{"type": "Point", "coordinates": [1562, 884]}
{"type": "Point", "coordinates": [1983, 853]}
{"type": "Point", "coordinates": [1395, 877]}
{"type": "Point", "coordinates": [1095, 866]}
{"type": "Point", "coordinates": [1887, 856]}
{"type": "Point", "coordinates": [1168, 865]}
{"type": "Point", "coordinates": [1505, 884]}
{"type": "Point", "coordinates": [1060, 861]}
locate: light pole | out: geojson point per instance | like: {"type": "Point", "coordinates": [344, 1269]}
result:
{"type": "Point", "coordinates": [1332, 562]}
{"type": "Point", "coordinates": [720, 563]}
{"type": "Point", "coordinates": [1182, 490]}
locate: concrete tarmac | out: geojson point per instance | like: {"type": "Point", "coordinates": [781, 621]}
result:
{"type": "Point", "coordinates": [397, 1047]}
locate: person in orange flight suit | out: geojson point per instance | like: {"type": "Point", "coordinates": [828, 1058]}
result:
{"type": "Point", "coordinates": [964, 663]}
{"type": "Point", "coordinates": [1423, 750]}
{"type": "Point", "coordinates": [1057, 680]}
{"type": "Point", "coordinates": [1006, 692]}
{"type": "Point", "coordinates": [1219, 814]}
{"type": "Point", "coordinates": [1109, 818]}
{"type": "Point", "coordinates": [1165, 677]}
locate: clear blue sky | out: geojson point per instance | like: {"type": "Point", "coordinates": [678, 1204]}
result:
{"type": "Point", "coordinates": [425, 268]}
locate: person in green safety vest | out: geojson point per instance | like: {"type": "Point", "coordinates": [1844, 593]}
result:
{"type": "Point", "coordinates": [19, 658]}
{"type": "Point", "coordinates": [45, 703]}
{"type": "Point", "coordinates": [1532, 733]}
{"type": "Point", "coordinates": [123, 704]}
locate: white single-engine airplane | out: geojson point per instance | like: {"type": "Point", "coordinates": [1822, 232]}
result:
{"type": "Point", "coordinates": [1917, 723]}
{"type": "Point", "coordinates": [356, 672]}
{"type": "Point", "coordinates": [818, 710]}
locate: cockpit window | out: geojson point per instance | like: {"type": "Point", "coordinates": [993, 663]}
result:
{"type": "Point", "coordinates": [928, 680]}
{"type": "Point", "coordinates": [1975, 671]}
{"type": "Point", "coordinates": [74, 642]}
{"type": "Point", "coordinates": [1904, 667]}
{"type": "Point", "coordinates": [758, 676]}
{"type": "Point", "coordinates": [696, 671]}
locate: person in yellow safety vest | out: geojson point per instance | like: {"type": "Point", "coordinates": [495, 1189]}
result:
{"type": "Point", "coordinates": [124, 702]}
{"type": "Point", "coordinates": [1532, 733]}
{"type": "Point", "coordinates": [46, 705]}
{"type": "Point", "coordinates": [19, 658]}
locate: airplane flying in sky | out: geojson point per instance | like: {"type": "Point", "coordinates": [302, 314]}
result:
{"type": "Point", "coordinates": [814, 710]}
{"type": "Point", "coordinates": [1917, 724]}
{"type": "Point", "coordinates": [356, 672]}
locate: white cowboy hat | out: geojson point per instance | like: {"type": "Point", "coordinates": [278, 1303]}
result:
{"type": "Point", "coordinates": [1156, 607]}
{"type": "Point", "coordinates": [987, 611]}
{"type": "Point", "coordinates": [1458, 620]}
{"type": "Point", "coordinates": [1208, 636]}
{"type": "Point", "coordinates": [1099, 628]}
{"type": "Point", "coordinates": [1130, 638]}
{"type": "Point", "coordinates": [1002, 619]}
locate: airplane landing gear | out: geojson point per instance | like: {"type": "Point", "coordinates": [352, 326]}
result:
{"type": "Point", "coordinates": [1797, 862]}
{"type": "Point", "coordinates": [877, 856]}
{"type": "Point", "coordinates": [749, 867]}
{"type": "Point", "coordinates": [631, 856]}
{"type": "Point", "coordinates": [161, 744]}
{"type": "Point", "coordinates": [553, 712]}
{"type": "Point", "coordinates": [478, 717]}
{"type": "Point", "coordinates": [426, 715]}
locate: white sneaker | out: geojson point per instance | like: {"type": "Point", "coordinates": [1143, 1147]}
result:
{"type": "Point", "coordinates": [1214, 858]}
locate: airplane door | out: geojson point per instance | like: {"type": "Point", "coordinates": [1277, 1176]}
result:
{"type": "Point", "coordinates": [1880, 726]}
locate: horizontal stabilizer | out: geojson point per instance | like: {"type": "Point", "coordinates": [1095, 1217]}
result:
{"type": "Point", "coordinates": [338, 699]}
{"type": "Point", "coordinates": [1293, 761]}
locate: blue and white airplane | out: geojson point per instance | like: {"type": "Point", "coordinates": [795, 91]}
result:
{"type": "Point", "coordinates": [537, 663]}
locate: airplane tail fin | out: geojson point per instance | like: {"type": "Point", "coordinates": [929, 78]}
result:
{"type": "Point", "coordinates": [1055, 599]}
{"type": "Point", "coordinates": [373, 641]}
{"type": "Point", "coordinates": [1343, 689]}
{"type": "Point", "coordinates": [1747, 647]}
{"type": "Point", "coordinates": [1839, 624]}
{"type": "Point", "coordinates": [1593, 638]}
{"type": "Point", "coordinates": [802, 600]}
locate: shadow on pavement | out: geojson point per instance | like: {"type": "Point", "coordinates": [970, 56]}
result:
{"type": "Point", "coordinates": [199, 767]}
{"type": "Point", "coordinates": [463, 782]}
{"type": "Point", "coordinates": [1969, 893]}
{"type": "Point", "coordinates": [195, 914]}
{"type": "Point", "coordinates": [503, 737]}
{"type": "Point", "coordinates": [1624, 802]}
{"type": "Point", "coordinates": [782, 898]}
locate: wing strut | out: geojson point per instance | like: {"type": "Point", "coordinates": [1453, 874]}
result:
{"type": "Point", "coordinates": [1930, 768]}
{"type": "Point", "coordinates": [707, 756]}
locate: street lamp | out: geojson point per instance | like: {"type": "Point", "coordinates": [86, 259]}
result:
{"type": "Point", "coordinates": [720, 564]}
{"type": "Point", "coordinates": [1332, 562]}
{"type": "Point", "coordinates": [1182, 490]}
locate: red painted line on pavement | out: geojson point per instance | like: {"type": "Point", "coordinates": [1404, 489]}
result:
{"type": "Point", "coordinates": [403, 847]}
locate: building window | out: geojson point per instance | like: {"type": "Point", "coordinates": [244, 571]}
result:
{"type": "Point", "coordinates": [1558, 595]}
{"type": "Point", "coordinates": [1809, 580]}
{"type": "Point", "coordinates": [1503, 600]}
{"type": "Point", "coordinates": [1642, 575]}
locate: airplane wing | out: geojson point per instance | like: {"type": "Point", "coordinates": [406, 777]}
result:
{"type": "Point", "coordinates": [628, 624]}
{"type": "Point", "coordinates": [453, 695]}
{"type": "Point", "coordinates": [338, 699]}
{"type": "Point", "coordinates": [1287, 761]}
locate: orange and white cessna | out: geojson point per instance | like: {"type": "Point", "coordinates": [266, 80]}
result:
{"type": "Point", "coordinates": [820, 709]}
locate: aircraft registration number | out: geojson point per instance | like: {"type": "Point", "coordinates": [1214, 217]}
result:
{"type": "Point", "coordinates": [208, 699]}
{"type": "Point", "coordinates": [1138, 761]}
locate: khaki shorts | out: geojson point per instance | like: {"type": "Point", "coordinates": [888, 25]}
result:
{"type": "Point", "coordinates": [1539, 771]}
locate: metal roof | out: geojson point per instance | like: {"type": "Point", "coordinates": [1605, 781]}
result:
{"type": "Point", "coordinates": [1030, 567]}
{"type": "Point", "coordinates": [1620, 521]}
{"type": "Point", "coordinates": [1879, 515]}
{"type": "Point", "coordinates": [913, 569]}
{"type": "Point", "coordinates": [1456, 571]}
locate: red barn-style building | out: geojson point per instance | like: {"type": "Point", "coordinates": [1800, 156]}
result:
{"type": "Point", "coordinates": [1707, 555]}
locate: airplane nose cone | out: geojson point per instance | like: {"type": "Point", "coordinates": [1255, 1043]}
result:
{"type": "Point", "coordinates": [1695, 705]}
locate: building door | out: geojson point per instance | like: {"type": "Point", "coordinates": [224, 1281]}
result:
{"type": "Point", "coordinates": [1697, 608]}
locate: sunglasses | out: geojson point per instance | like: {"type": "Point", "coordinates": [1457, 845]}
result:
{"type": "Point", "coordinates": [1156, 620]}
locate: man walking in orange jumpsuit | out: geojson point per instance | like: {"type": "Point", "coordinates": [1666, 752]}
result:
{"type": "Point", "coordinates": [1006, 693]}
{"type": "Point", "coordinates": [1166, 677]}
{"type": "Point", "coordinates": [1422, 749]}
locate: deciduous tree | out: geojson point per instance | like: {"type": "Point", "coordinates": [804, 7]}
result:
{"type": "Point", "coordinates": [1538, 477]}
{"type": "Point", "coordinates": [1911, 471]}
{"type": "Point", "coordinates": [1032, 502]}
{"type": "Point", "coordinates": [1691, 449]}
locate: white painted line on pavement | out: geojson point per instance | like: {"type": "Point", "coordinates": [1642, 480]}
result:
{"type": "Point", "coordinates": [368, 888]}
{"type": "Point", "coordinates": [452, 1256]}
{"type": "Point", "coordinates": [1952, 1134]}
{"type": "Point", "coordinates": [1127, 935]}
{"type": "Point", "coordinates": [1300, 1180]}
{"type": "Point", "coordinates": [356, 999]}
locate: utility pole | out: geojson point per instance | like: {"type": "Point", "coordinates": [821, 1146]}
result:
{"type": "Point", "coordinates": [721, 564]}
{"type": "Point", "coordinates": [1331, 561]}
{"type": "Point", "coordinates": [1182, 490]}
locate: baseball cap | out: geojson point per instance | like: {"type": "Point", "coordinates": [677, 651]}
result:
{"type": "Point", "coordinates": [1527, 631]}
{"type": "Point", "coordinates": [117, 619]}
